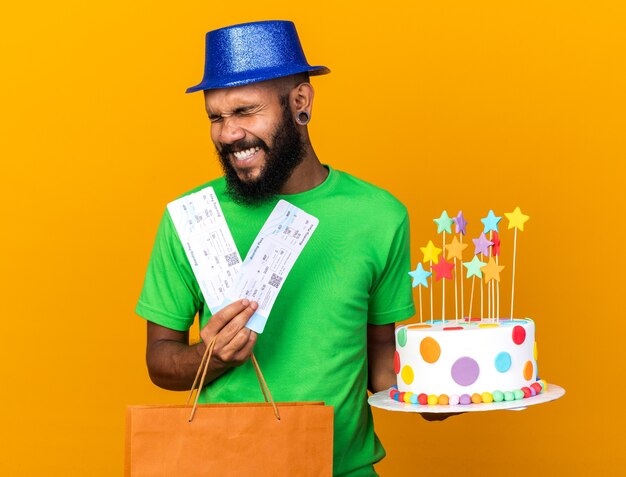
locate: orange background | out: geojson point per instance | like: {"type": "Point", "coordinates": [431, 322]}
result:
{"type": "Point", "coordinates": [467, 105]}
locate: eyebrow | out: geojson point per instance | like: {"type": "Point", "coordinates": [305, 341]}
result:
{"type": "Point", "coordinates": [239, 110]}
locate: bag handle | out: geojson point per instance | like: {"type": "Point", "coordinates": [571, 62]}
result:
{"type": "Point", "coordinates": [204, 367]}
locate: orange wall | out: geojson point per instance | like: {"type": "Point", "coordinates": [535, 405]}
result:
{"type": "Point", "coordinates": [449, 105]}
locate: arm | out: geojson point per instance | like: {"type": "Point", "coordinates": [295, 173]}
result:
{"type": "Point", "coordinates": [381, 344]}
{"type": "Point", "coordinates": [173, 363]}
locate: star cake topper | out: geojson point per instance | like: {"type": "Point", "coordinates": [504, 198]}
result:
{"type": "Point", "coordinates": [431, 253]}
{"type": "Point", "coordinates": [420, 276]}
{"type": "Point", "coordinates": [491, 222]}
{"type": "Point", "coordinates": [481, 245]}
{"type": "Point", "coordinates": [444, 223]}
{"type": "Point", "coordinates": [460, 223]}
{"type": "Point", "coordinates": [443, 269]}
{"type": "Point", "coordinates": [516, 219]}
{"type": "Point", "coordinates": [492, 270]}
{"type": "Point", "coordinates": [455, 249]}
{"type": "Point", "coordinates": [495, 248]}
{"type": "Point", "coordinates": [473, 267]}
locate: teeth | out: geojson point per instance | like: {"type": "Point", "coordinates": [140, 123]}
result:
{"type": "Point", "coordinates": [241, 155]}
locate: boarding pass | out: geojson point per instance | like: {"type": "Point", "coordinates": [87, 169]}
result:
{"type": "Point", "coordinates": [216, 263]}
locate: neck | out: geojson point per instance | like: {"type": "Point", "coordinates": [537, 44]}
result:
{"type": "Point", "coordinates": [308, 175]}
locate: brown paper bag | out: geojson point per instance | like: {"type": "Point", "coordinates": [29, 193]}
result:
{"type": "Point", "coordinates": [247, 439]}
{"type": "Point", "coordinates": [230, 440]}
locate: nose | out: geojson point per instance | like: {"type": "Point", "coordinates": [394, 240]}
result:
{"type": "Point", "coordinates": [231, 131]}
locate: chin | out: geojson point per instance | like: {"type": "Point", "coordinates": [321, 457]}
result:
{"type": "Point", "coordinates": [248, 175]}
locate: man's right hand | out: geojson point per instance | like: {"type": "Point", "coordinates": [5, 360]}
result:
{"type": "Point", "coordinates": [234, 342]}
{"type": "Point", "coordinates": [173, 364]}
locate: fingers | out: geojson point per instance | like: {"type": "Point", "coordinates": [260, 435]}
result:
{"type": "Point", "coordinates": [435, 416]}
{"type": "Point", "coordinates": [226, 314]}
{"type": "Point", "coordinates": [230, 316]}
{"type": "Point", "coordinates": [237, 323]}
{"type": "Point", "coordinates": [245, 351]}
{"type": "Point", "coordinates": [239, 349]}
{"type": "Point", "coordinates": [234, 342]}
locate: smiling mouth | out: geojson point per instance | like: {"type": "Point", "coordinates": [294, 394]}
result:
{"type": "Point", "coordinates": [246, 154]}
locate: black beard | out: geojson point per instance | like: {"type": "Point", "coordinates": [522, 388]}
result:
{"type": "Point", "coordinates": [287, 152]}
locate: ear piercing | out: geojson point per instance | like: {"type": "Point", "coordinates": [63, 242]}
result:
{"type": "Point", "coordinates": [303, 118]}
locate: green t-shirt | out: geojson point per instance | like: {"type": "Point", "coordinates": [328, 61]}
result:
{"type": "Point", "coordinates": [352, 272]}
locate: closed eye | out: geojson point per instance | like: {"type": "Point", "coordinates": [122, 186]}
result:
{"type": "Point", "coordinates": [246, 110]}
{"type": "Point", "coordinates": [240, 111]}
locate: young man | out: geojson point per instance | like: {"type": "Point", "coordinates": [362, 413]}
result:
{"type": "Point", "coordinates": [330, 336]}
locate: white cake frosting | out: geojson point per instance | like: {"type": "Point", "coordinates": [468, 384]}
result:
{"type": "Point", "coordinates": [455, 359]}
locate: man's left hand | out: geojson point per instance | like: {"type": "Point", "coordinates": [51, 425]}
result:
{"type": "Point", "coordinates": [439, 416]}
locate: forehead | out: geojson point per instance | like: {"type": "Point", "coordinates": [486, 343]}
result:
{"type": "Point", "coordinates": [223, 99]}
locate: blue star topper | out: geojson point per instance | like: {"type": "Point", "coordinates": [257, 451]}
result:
{"type": "Point", "coordinates": [420, 275]}
{"type": "Point", "coordinates": [491, 222]}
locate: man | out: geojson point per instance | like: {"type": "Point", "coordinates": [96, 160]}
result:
{"type": "Point", "coordinates": [330, 335]}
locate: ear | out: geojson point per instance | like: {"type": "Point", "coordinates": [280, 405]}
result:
{"type": "Point", "coordinates": [301, 98]}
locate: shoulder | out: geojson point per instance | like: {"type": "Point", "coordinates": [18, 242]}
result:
{"type": "Point", "coordinates": [369, 198]}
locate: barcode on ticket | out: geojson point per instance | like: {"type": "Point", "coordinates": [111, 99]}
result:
{"type": "Point", "coordinates": [275, 280]}
{"type": "Point", "coordinates": [231, 259]}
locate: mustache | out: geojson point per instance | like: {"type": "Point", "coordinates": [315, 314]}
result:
{"type": "Point", "coordinates": [242, 145]}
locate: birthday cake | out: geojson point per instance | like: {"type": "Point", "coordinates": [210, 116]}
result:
{"type": "Point", "coordinates": [466, 362]}
{"type": "Point", "coordinates": [463, 360]}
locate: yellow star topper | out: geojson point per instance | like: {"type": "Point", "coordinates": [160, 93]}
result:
{"type": "Point", "coordinates": [455, 249]}
{"type": "Point", "coordinates": [516, 219]}
{"type": "Point", "coordinates": [430, 252]}
{"type": "Point", "coordinates": [492, 270]}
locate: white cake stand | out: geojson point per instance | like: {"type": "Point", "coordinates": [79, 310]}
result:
{"type": "Point", "coordinates": [383, 401]}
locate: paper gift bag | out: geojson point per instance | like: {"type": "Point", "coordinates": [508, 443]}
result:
{"type": "Point", "coordinates": [229, 440]}
{"type": "Point", "coordinates": [245, 439]}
